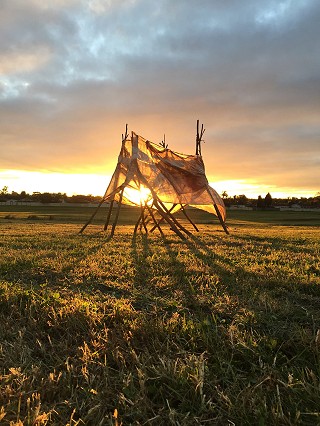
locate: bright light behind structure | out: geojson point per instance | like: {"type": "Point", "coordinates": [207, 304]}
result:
{"type": "Point", "coordinates": [95, 184]}
{"type": "Point", "coordinates": [138, 196]}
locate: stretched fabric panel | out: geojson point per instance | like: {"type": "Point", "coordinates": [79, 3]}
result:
{"type": "Point", "coordinates": [175, 178]}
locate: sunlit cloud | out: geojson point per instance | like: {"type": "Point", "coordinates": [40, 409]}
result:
{"type": "Point", "coordinates": [22, 62]}
{"type": "Point", "coordinates": [47, 4]}
{"type": "Point", "coordinates": [74, 72]}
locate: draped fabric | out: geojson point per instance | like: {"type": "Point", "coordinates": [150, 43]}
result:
{"type": "Point", "coordinates": [145, 170]}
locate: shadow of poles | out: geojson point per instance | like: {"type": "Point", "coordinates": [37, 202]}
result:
{"type": "Point", "coordinates": [142, 288]}
{"type": "Point", "coordinates": [256, 281]}
{"type": "Point", "coordinates": [174, 283]}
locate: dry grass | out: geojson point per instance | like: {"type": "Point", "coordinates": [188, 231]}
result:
{"type": "Point", "coordinates": [217, 330]}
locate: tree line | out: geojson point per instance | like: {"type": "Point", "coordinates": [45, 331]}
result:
{"type": "Point", "coordinates": [261, 202]}
{"type": "Point", "coordinates": [267, 202]}
{"type": "Point", "coordinates": [46, 197]}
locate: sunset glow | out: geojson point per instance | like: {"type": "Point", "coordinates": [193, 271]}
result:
{"type": "Point", "coordinates": [139, 196]}
{"type": "Point", "coordinates": [71, 184]}
{"type": "Point", "coordinates": [96, 184]}
{"type": "Point", "coordinates": [250, 73]}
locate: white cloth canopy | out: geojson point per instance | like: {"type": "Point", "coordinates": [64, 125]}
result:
{"type": "Point", "coordinates": [145, 169]}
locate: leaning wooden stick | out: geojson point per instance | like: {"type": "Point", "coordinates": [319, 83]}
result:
{"type": "Point", "coordinates": [162, 210]}
{"type": "Point", "coordinates": [199, 138]}
{"type": "Point", "coordinates": [109, 215]}
{"type": "Point", "coordinates": [167, 218]}
{"type": "Point", "coordinates": [157, 224]}
{"type": "Point", "coordinates": [224, 226]}
{"type": "Point", "coordinates": [173, 218]}
{"type": "Point", "coordinates": [92, 217]}
{"type": "Point", "coordinates": [162, 219]}
{"type": "Point", "coordinates": [137, 224]}
{"type": "Point", "coordinates": [117, 214]}
{"type": "Point", "coordinates": [189, 218]}
{"type": "Point", "coordinates": [143, 219]}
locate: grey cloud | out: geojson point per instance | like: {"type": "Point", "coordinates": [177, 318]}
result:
{"type": "Point", "coordinates": [249, 70]}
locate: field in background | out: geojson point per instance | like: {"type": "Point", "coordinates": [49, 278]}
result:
{"type": "Point", "coordinates": [215, 330]}
{"type": "Point", "coordinates": [129, 215]}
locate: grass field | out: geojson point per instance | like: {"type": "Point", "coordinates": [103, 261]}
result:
{"type": "Point", "coordinates": [216, 330]}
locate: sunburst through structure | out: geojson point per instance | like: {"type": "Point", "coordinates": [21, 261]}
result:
{"type": "Point", "coordinates": [162, 182]}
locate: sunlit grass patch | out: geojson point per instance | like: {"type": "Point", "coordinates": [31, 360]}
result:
{"type": "Point", "coordinates": [214, 330]}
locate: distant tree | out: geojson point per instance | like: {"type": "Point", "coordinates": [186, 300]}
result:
{"type": "Point", "coordinates": [260, 202]}
{"type": "Point", "coordinates": [268, 200]}
{"type": "Point", "coordinates": [36, 196]}
{"type": "Point", "coordinates": [316, 200]}
{"type": "Point", "coordinates": [293, 200]}
{"type": "Point", "coordinates": [241, 199]}
{"type": "Point", "coordinates": [46, 197]}
{"type": "Point", "coordinates": [224, 195]}
{"type": "Point", "coordinates": [4, 194]}
{"type": "Point", "coordinates": [80, 198]}
{"type": "Point", "coordinates": [4, 191]}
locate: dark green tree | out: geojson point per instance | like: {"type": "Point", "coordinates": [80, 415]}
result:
{"type": "Point", "coordinates": [46, 197]}
{"type": "Point", "coordinates": [241, 199]}
{"type": "Point", "coordinates": [260, 202]}
{"type": "Point", "coordinates": [268, 200]}
{"type": "Point", "coordinates": [224, 195]}
{"type": "Point", "coordinates": [4, 191]}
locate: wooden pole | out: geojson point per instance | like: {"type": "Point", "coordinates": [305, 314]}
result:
{"type": "Point", "coordinates": [200, 137]}
{"type": "Point", "coordinates": [173, 218]}
{"type": "Point", "coordinates": [197, 139]}
{"type": "Point", "coordinates": [220, 218]}
{"type": "Point", "coordinates": [189, 218]}
{"type": "Point", "coordinates": [117, 214]}
{"type": "Point", "coordinates": [224, 226]}
{"type": "Point", "coordinates": [160, 205]}
{"type": "Point", "coordinates": [163, 143]}
{"type": "Point", "coordinates": [162, 219]}
{"type": "Point", "coordinates": [124, 137]}
{"type": "Point", "coordinates": [143, 218]}
{"type": "Point", "coordinates": [92, 216]}
{"type": "Point", "coordinates": [137, 224]}
{"type": "Point", "coordinates": [167, 217]}
{"type": "Point", "coordinates": [162, 210]}
{"type": "Point", "coordinates": [109, 215]}
{"type": "Point", "coordinates": [157, 225]}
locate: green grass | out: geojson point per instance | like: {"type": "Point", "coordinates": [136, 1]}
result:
{"type": "Point", "coordinates": [144, 331]}
{"type": "Point", "coordinates": [129, 215]}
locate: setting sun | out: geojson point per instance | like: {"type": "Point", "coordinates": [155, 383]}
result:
{"type": "Point", "coordinates": [138, 196]}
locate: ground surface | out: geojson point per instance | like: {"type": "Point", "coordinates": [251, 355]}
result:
{"type": "Point", "coordinates": [144, 331]}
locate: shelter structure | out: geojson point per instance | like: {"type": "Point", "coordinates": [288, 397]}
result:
{"type": "Point", "coordinates": [161, 182]}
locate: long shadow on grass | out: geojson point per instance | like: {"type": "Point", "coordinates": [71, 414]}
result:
{"type": "Point", "coordinates": [294, 245]}
{"type": "Point", "coordinates": [172, 286]}
{"type": "Point", "coordinates": [260, 303]}
{"type": "Point", "coordinates": [272, 304]}
{"type": "Point", "coordinates": [275, 296]}
{"type": "Point", "coordinates": [250, 286]}
{"type": "Point", "coordinates": [57, 263]}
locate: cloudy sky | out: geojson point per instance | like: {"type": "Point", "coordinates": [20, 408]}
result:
{"type": "Point", "coordinates": [73, 73]}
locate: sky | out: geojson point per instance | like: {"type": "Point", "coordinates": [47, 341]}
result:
{"type": "Point", "coordinates": [73, 73]}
